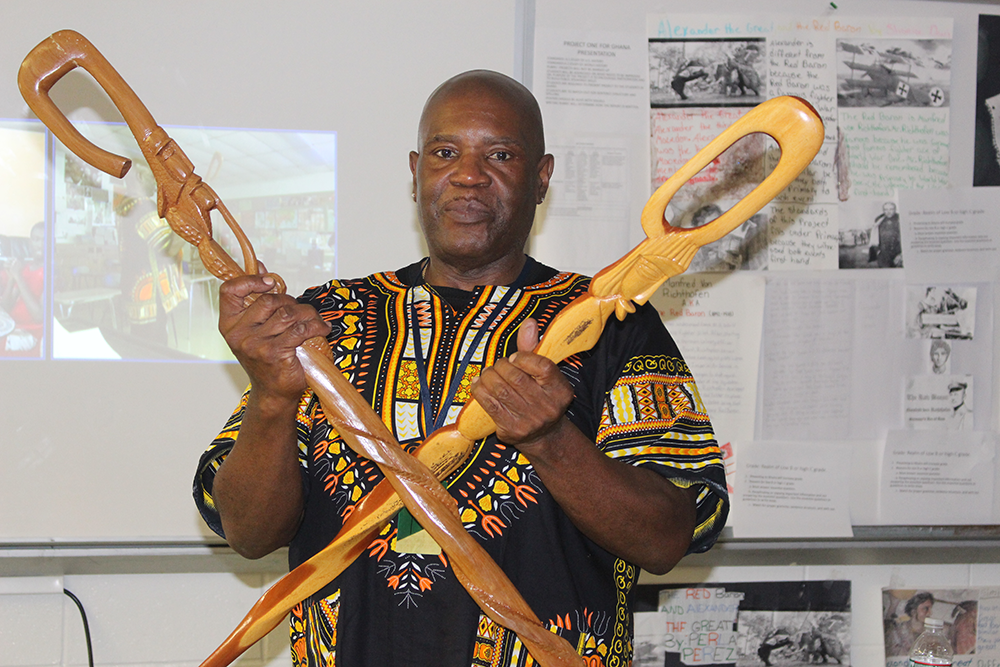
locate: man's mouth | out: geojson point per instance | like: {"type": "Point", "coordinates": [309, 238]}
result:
{"type": "Point", "coordinates": [467, 210]}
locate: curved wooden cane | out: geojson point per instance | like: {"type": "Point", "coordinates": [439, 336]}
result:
{"type": "Point", "coordinates": [185, 201]}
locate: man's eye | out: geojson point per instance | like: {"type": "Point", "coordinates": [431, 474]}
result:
{"type": "Point", "coordinates": [502, 156]}
{"type": "Point", "coordinates": [445, 153]}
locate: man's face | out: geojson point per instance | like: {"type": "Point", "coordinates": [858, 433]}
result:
{"type": "Point", "coordinates": [889, 209]}
{"type": "Point", "coordinates": [477, 178]}
{"type": "Point", "coordinates": [957, 397]}
{"type": "Point", "coordinates": [939, 356]}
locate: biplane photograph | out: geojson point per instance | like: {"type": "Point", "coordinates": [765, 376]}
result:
{"type": "Point", "coordinates": [896, 72]}
{"type": "Point", "coordinates": [707, 73]}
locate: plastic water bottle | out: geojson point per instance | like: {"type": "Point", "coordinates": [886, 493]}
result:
{"type": "Point", "coordinates": [932, 646]}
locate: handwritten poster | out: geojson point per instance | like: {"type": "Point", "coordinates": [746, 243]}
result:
{"type": "Point", "coordinates": [716, 321]}
{"type": "Point", "coordinates": [881, 86]}
{"type": "Point", "coordinates": [786, 622]}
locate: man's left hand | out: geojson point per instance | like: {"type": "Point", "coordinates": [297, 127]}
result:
{"type": "Point", "coordinates": [525, 393]}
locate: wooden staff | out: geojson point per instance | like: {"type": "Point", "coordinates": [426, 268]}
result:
{"type": "Point", "coordinates": [185, 201]}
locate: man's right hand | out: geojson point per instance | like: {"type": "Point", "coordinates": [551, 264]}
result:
{"type": "Point", "coordinates": [263, 335]}
{"type": "Point", "coordinates": [258, 488]}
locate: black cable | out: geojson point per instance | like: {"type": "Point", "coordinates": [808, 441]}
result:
{"type": "Point", "coordinates": [86, 626]}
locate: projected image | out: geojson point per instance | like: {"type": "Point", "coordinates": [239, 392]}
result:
{"type": "Point", "coordinates": [125, 286]}
{"type": "Point", "coordinates": [22, 240]}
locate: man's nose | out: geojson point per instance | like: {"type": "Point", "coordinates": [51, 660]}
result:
{"type": "Point", "coordinates": [471, 170]}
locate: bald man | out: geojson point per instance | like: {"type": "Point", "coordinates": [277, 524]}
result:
{"type": "Point", "coordinates": [600, 466]}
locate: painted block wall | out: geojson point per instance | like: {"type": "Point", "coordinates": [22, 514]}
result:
{"type": "Point", "coordinates": [176, 620]}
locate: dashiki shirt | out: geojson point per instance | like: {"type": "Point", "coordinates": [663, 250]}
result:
{"type": "Point", "coordinates": [397, 604]}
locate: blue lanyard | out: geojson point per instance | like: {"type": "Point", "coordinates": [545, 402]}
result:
{"type": "Point", "coordinates": [425, 392]}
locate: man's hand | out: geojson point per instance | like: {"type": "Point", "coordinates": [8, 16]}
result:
{"type": "Point", "coordinates": [525, 394]}
{"type": "Point", "coordinates": [258, 489]}
{"type": "Point", "coordinates": [632, 512]}
{"type": "Point", "coordinates": [264, 335]}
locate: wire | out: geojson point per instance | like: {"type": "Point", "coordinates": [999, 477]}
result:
{"type": "Point", "coordinates": [86, 626]}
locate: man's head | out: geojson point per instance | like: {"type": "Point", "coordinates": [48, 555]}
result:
{"type": "Point", "coordinates": [940, 351]}
{"type": "Point", "coordinates": [956, 393]}
{"type": "Point", "coordinates": [479, 171]}
{"type": "Point", "coordinates": [889, 209]}
{"type": "Point", "coordinates": [919, 606]}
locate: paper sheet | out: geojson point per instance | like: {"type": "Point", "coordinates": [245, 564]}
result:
{"type": "Point", "coordinates": [793, 489]}
{"type": "Point", "coordinates": [951, 234]}
{"type": "Point", "coordinates": [715, 319]}
{"type": "Point", "coordinates": [591, 87]}
{"type": "Point", "coordinates": [937, 478]}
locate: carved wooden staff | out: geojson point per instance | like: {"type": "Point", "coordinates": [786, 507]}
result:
{"type": "Point", "coordinates": [186, 202]}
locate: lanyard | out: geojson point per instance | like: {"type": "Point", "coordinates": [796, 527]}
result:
{"type": "Point", "coordinates": [432, 423]}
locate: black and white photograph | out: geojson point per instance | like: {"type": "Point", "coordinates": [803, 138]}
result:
{"type": "Point", "coordinates": [940, 311]}
{"type": "Point", "coordinates": [744, 624]}
{"type": "Point", "coordinates": [939, 403]}
{"type": "Point", "coordinates": [938, 356]}
{"type": "Point", "coordinates": [794, 638]}
{"type": "Point", "coordinates": [869, 236]}
{"type": "Point", "coordinates": [707, 72]}
{"type": "Point", "coordinates": [894, 72]}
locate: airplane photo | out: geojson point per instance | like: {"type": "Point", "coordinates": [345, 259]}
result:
{"type": "Point", "coordinates": [909, 73]}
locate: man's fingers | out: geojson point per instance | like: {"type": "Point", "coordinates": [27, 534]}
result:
{"type": "Point", "coordinates": [232, 293]}
{"type": "Point", "coordinates": [527, 335]}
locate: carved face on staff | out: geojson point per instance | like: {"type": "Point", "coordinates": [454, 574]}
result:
{"type": "Point", "coordinates": [480, 171]}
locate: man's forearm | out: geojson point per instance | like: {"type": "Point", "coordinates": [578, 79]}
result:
{"type": "Point", "coordinates": [632, 512]}
{"type": "Point", "coordinates": [258, 488]}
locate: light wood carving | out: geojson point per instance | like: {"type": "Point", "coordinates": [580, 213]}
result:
{"type": "Point", "coordinates": [186, 202]}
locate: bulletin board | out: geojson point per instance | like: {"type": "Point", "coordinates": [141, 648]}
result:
{"type": "Point", "coordinates": [842, 339]}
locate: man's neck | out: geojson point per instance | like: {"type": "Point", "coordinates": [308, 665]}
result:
{"type": "Point", "coordinates": [501, 272]}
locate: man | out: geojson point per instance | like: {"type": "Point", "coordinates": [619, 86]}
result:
{"type": "Point", "coordinates": [888, 249]}
{"type": "Point", "coordinates": [689, 71]}
{"type": "Point", "coordinates": [571, 523]}
{"type": "Point", "coordinates": [902, 631]}
{"type": "Point", "coordinates": [960, 417]}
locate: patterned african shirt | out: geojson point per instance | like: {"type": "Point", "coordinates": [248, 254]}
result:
{"type": "Point", "coordinates": [397, 604]}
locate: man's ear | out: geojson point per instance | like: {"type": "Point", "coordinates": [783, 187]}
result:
{"type": "Point", "coordinates": [414, 156]}
{"type": "Point", "coordinates": [545, 167]}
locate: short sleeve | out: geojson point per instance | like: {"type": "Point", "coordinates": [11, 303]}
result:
{"type": "Point", "coordinates": [212, 458]}
{"type": "Point", "coordinates": [649, 413]}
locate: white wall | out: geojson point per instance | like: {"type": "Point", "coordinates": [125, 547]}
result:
{"type": "Point", "coordinates": [177, 619]}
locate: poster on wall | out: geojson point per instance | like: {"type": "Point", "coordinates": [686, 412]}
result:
{"type": "Point", "coordinates": [971, 619]}
{"type": "Point", "coordinates": [883, 90]}
{"type": "Point", "coordinates": [743, 624]}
